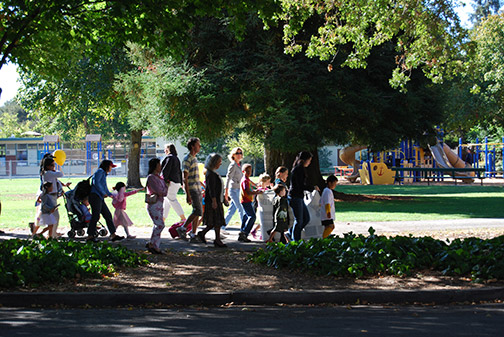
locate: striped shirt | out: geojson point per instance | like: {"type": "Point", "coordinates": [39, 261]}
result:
{"type": "Point", "coordinates": [190, 166]}
{"type": "Point", "coordinates": [246, 190]}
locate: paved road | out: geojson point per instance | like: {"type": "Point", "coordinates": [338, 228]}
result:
{"type": "Point", "coordinates": [481, 320]}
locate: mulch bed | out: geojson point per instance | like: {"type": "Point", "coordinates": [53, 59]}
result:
{"type": "Point", "coordinates": [227, 270]}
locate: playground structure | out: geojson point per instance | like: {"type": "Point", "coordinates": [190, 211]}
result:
{"type": "Point", "coordinates": [20, 157]}
{"type": "Point", "coordinates": [376, 168]}
{"type": "Point", "coordinates": [486, 150]}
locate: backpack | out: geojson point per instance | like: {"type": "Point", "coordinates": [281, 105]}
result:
{"type": "Point", "coordinates": [82, 189]}
{"type": "Point", "coordinates": [173, 229]}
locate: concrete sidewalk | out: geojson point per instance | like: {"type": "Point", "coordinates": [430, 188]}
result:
{"type": "Point", "coordinates": [231, 239]}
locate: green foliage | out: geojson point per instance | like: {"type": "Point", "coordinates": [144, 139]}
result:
{"type": "Point", "coordinates": [358, 255]}
{"type": "Point", "coordinates": [43, 36]}
{"type": "Point", "coordinates": [475, 98]}
{"type": "Point", "coordinates": [82, 101]}
{"type": "Point", "coordinates": [483, 8]}
{"type": "Point", "coordinates": [486, 69]}
{"type": "Point", "coordinates": [35, 262]}
{"type": "Point", "coordinates": [427, 34]}
{"type": "Point", "coordinates": [294, 103]}
{"type": "Point", "coordinates": [14, 120]}
{"type": "Point", "coordinates": [169, 98]}
{"type": "Point", "coordinates": [253, 147]}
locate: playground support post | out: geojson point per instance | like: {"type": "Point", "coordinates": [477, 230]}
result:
{"type": "Point", "coordinates": [89, 154]}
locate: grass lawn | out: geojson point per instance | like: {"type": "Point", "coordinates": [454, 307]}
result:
{"type": "Point", "coordinates": [18, 204]}
{"type": "Point", "coordinates": [429, 203]}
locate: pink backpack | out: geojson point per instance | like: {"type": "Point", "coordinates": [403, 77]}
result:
{"type": "Point", "coordinates": [173, 229]}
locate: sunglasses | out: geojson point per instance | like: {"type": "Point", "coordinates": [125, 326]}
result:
{"type": "Point", "coordinates": [239, 153]}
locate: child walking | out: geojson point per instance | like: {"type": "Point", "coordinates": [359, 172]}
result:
{"type": "Point", "coordinates": [327, 211]}
{"type": "Point", "coordinates": [280, 213]}
{"type": "Point", "coordinates": [119, 203]}
{"type": "Point", "coordinates": [247, 201]}
{"type": "Point", "coordinates": [47, 208]}
{"type": "Point", "coordinates": [264, 184]}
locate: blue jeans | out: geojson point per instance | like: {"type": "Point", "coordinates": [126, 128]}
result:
{"type": "Point", "coordinates": [248, 218]}
{"type": "Point", "coordinates": [234, 194]}
{"type": "Point", "coordinates": [301, 217]}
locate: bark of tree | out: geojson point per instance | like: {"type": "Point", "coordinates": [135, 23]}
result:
{"type": "Point", "coordinates": [313, 171]}
{"type": "Point", "coordinates": [134, 160]}
{"type": "Point", "coordinates": [274, 158]}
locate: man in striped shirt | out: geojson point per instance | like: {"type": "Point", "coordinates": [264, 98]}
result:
{"type": "Point", "coordinates": [192, 188]}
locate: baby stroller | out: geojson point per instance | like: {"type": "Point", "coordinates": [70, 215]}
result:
{"type": "Point", "coordinates": [76, 216]}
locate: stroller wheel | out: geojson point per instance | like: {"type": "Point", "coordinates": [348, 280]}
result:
{"type": "Point", "coordinates": [103, 232]}
{"type": "Point", "coordinates": [80, 232]}
{"type": "Point", "coordinates": [71, 234]}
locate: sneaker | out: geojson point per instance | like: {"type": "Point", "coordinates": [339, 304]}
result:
{"type": "Point", "coordinates": [242, 237]}
{"type": "Point", "coordinates": [254, 234]}
{"type": "Point", "coordinates": [182, 233]}
{"type": "Point", "coordinates": [131, 237]}
{"type": "Point", "coordinates": [201, 236]}
{"type": "Point", "coordinates": [287, 234]}
{"type": "Point", "coordinates": [116, 238]}
{"type": "Point", "coordinates": [31, 225]}
{"type": "Point", "coordinates": [92, 238]}
{"type": "Point", "coordinates": [195, 239]}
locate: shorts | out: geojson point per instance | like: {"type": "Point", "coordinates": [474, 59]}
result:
{"type": "Point", "coordinates": [197, 205]}
{"type": "Point", "coordinates": [327, 222]}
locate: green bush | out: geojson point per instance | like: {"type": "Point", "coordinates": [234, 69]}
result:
{"type": "Point", "coordinates": [35, 262]}
{"type": "Point", "coordinates": [358, 255]}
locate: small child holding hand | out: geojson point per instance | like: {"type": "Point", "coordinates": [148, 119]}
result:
{"type": "Point", "coordinates": [327, 211]}
{"type": "Point", "coordinates": [47, 208]}
{"type": "Point", "coordinates": [280, 213]}
{"type": "Point", "coordinates": [119, 203]}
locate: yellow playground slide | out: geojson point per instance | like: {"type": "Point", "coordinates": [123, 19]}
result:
{"type": "Point", "coordinates": [347, 155]}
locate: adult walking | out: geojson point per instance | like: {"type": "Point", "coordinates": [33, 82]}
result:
{"type": "Point", "coordinates": [156, 191]}
{"type": "Point", "coordinates": [192, 186]}
{"type": "Point", "coordinates": [213, 216]}
{"type": "Point", "coordinates": [233, 178]}
{"type": "Point", "coordinates": [172, 175]}
{"type": "Point", "coordinates": [99, 191]}
{"type": "Point", "coordinates": [296, 194]}
{"type": "Point", "coordinates": [49, 174]}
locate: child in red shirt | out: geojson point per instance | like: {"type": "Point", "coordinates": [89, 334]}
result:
{"type": "Point", "coordinates": [247, 201]}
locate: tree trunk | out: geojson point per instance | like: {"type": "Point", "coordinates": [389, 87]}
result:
{"type": "Point", "coordinates": [313, 171]}
{"type": "Point", "coordinates": [274, 158]}
{"type": "Point", "coordinates": [134, 160]}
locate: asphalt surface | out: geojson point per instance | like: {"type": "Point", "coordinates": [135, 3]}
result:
{"type": "Point", "coordinates": [479, 320]}
{"type": "Point", "coordinates": [491, 294]}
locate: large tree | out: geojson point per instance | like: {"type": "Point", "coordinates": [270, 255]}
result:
{"type": "Point", "coordinates": [483, 9]}
{"type": "Point", "coordinates": [426, 33]}
{"type": "Point", "coordinates": [14, 120]}
{"type": "Point", "coordinates": [294, 103]}
{"type": "Point", "coordinates": [476, 96]}
{"type": "Point", "coordinates": [289, 103]}
{"type": "Point", "coordinates": [42, 35]}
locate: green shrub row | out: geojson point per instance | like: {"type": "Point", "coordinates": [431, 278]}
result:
{"type": "Point", "coordinates": [35, 262]}
{"type": "Point", "coordinates": [358, 255]}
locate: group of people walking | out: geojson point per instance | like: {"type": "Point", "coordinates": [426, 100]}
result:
{"type": "Point", "coordinates": [164, 180]}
